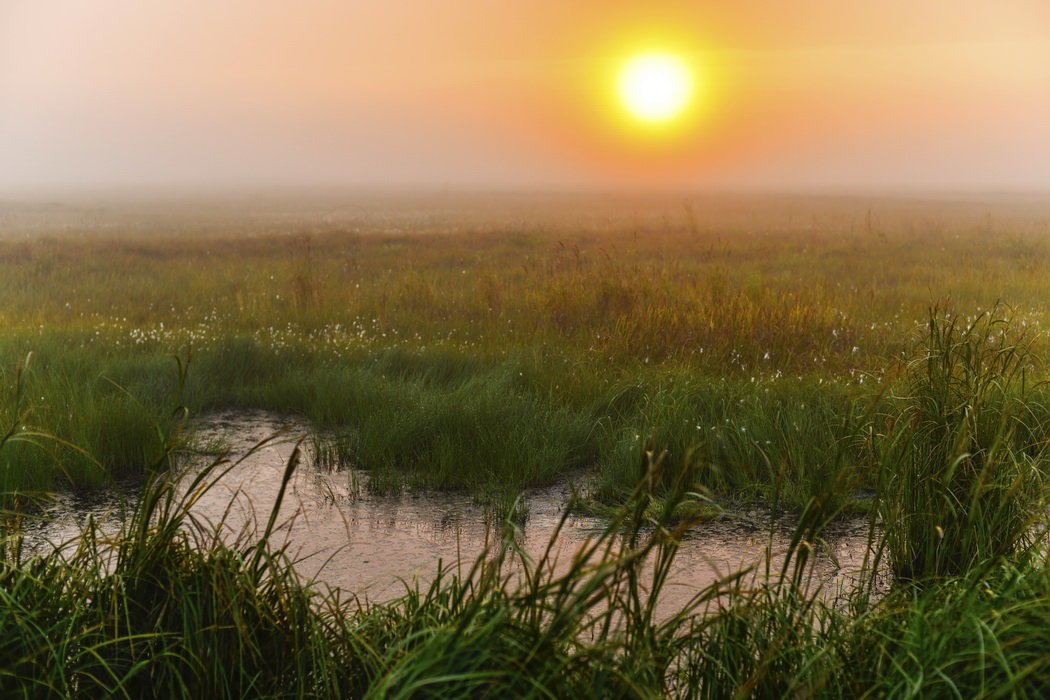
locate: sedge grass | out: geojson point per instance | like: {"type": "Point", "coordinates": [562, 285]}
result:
{"type": "Point", "coordinates": [962, 466]}
{"type": "Point", "coordinates": [445, 344]}
{"type": "Point", "coordinates": [166, 607]}
{"type": "Point", "coordinates": [746, 356]}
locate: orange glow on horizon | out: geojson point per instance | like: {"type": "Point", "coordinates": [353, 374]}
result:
{"type": "Point", "coordinates": [646, 105]}
{"type": "Point", "coordinates": [845, 94]}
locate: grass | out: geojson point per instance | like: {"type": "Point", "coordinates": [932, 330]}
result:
{"type": "Point", "coordinates": [769, 323]}
{"type": "Point", "coordinates": [779, 351]}
{"type": "Point", "coordinates": [167, 603]}
{"type": "Point", "coordinates": [963, 464]}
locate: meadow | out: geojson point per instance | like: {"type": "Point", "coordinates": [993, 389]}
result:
{"type": "Point", "coordinates": [689, 354]}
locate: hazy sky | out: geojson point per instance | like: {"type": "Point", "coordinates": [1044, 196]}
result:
{"type": "Point", "coordinates": [800, 94]}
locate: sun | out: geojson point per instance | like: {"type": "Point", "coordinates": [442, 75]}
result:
{"type": "Point", "coordinates": [655, 87]}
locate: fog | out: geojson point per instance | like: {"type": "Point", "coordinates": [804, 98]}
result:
{"type": "Point", "coordinates": [170, 94]}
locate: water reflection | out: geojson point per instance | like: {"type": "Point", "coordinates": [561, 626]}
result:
{"type": "Point", "coordinates": [369, 545]}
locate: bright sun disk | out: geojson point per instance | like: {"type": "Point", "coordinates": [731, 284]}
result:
{"type": "Point", "coordinates": [655, 87]}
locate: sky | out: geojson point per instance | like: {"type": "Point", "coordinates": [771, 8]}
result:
{"type": "Point", "coordinates": [807, 94]}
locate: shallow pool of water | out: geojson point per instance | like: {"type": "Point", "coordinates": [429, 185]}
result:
{"type": "Point", "coordinates": [368, 545]}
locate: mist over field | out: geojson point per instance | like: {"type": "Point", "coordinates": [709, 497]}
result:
{"type": "Point", "coordinates": [602, 349]}
{"type": "Point", "coordinates": [110, 95]}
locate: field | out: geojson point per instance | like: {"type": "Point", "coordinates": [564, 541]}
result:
{"type": "Point", "coordinates": [690, 355]}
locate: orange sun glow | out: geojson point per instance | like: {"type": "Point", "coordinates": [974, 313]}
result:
{"type": "Point", "coordinates": [655, 87]}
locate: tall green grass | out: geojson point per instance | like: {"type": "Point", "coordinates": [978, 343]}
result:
{"type": "Point", "coordinates": [772, 441]}
{"type": "Point", "coordinates": [101, 429]}
{"type": "Point", "coordinates": [463, 351]}
{"type": "Point", "coordinates": [731, 357]}
{"type": "Point", "coordinates": [443, 419]}
{"type": "Point", "coordinates": [167, 608]}
{"type": "Point", "coordinates": [962, 464]}
{"type": "Point", "coordinates": [436, 419]}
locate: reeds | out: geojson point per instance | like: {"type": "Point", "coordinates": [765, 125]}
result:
{"type": "Point", "coordinates": [409, 335]}
{"type": "Point", "coordinates": [742, 366]}
{"type": "Point", "coordinates": [168, 608]}
{"type": "Point", "coordinates": [962, 476]}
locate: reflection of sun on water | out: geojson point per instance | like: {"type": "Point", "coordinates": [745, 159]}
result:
{"type": "Point", "coordinates": [655, 87]}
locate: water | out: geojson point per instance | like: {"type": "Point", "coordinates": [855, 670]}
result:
{"type": "Point", "coordinates": [341, 535]}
